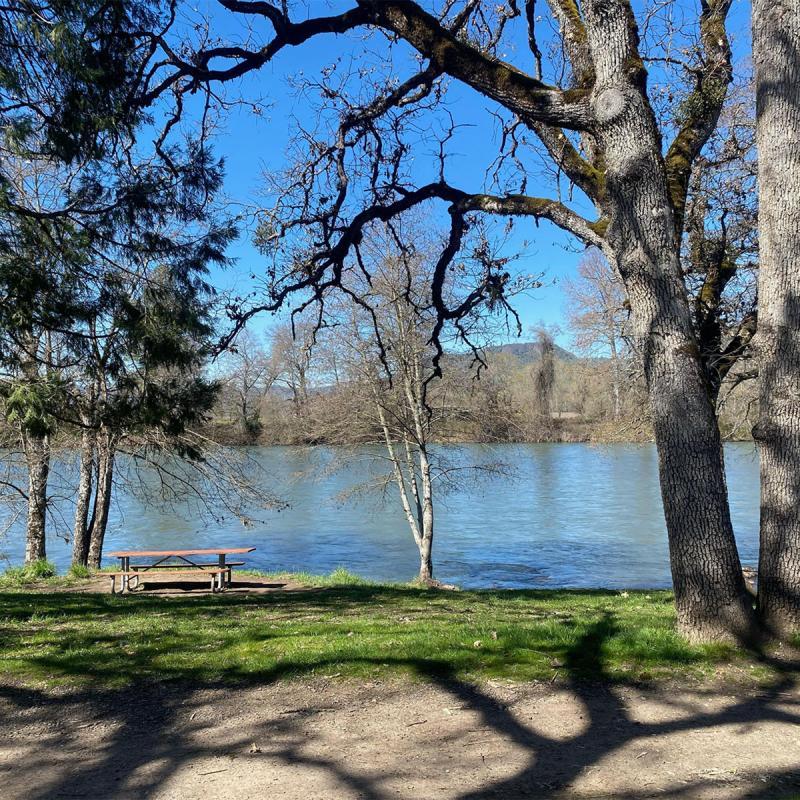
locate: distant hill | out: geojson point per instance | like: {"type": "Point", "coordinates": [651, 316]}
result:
{"type": "Point", "coordinates": [528, 352]}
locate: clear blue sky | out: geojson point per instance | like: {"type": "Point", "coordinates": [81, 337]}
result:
{"type": "Point", "coordinates": [252, 145]}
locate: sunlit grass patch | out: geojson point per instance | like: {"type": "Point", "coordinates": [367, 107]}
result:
{"type": "Point", "coordinates": [34, 572]}
{"type": "Point", "coordinates": [338, 577]}
{"type": "Point", "coordinates": [345, 627]}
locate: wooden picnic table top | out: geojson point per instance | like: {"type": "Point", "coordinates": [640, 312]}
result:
{"type": "Point", "coordinates": [218, 551]}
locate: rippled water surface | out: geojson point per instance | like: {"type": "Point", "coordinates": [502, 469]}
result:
{"type": "Point", "coordinates": [571, 515]}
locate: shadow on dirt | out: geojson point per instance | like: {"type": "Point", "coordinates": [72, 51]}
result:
{"type": "Point", "coordinates": [152, 728]}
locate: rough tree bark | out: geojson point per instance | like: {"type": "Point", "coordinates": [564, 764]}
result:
{"type": "Point", "coordinates": [106, 453]}
{"type": "Point", "coordinates": [776, 53]}
{"type": "Point", "coordinates": [80, 538]}
{"type": "Point", "coordinates": [35, 440]}
{"type": "Point", "coordinates": [710, 593]}
{"type": "Point", "coordinates": [37, 457]}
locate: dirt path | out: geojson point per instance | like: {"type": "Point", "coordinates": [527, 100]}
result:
{"type": "Point", "coordinates": [329, 739]}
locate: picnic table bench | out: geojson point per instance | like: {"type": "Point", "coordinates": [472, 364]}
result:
{"type": "Point", "coordinates": [176, 562]}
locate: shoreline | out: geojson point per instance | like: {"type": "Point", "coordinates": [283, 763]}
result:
{"type": "Point", "coordinates": [68, 441]}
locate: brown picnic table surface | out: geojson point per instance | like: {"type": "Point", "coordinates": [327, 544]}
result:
{"type": "Point", "coordinates": [220, 572]}
{"type": "Point", "coordinates": [211, 551]}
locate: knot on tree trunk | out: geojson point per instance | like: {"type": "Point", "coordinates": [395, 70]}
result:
{"type": "Point", "coordinates": [608, 105]}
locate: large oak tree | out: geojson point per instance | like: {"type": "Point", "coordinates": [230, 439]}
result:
{"type": "Point", "coordinates": [776, 53]}
{"type": "Point", "coordinates": [599, 127]}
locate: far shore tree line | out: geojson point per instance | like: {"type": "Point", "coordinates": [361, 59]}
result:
{"type": "Point", "coordinates": [652, 148]}
{"type": "Point", "coordinates": [285, 388]}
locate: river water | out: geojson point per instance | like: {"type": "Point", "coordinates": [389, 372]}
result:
{"type": "Point", "coordinates": [559, 515]}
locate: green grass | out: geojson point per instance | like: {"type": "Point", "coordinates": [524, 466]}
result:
{"type": "Point", "coordinates": [79, 572]}
{"type": "Point", "coordinates": [350, 628]}
{"type": "Point", "coordinates": [339, 577]}
{"type": "Point", "coordinates": [35, 572]}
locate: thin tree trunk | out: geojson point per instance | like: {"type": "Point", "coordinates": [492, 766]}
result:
{"type": "Point", "coordinates": [776, 53]}
{"type": "Point", "coordinates": [413, 386]}
{"type": "Point", "coordinates": [398, 474]}
{"type": "Point", "coordinates": [710, 594]}
{"type": "Point", "coordinates": [615, 381]}
{"type": "Point", "coordinates": [426, 543]}
{"type": "Point", "coordinates": [37, 456]}
{"type": "Point", "coordinates": [80, 539]}
{"type": "Point", "coordinates": [412, 479]}
{"type": "Point", "coordinates": [426, 559]}
{"type": "Point", "coordinates": [244, 412]}
{"type": "Point", "coordinates": [106, 446]}
{"type": "Point", "coordinates": [419, 513]}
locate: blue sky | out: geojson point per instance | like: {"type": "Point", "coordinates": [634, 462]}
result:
{"type": "Point", "coordinates": [253, 145]}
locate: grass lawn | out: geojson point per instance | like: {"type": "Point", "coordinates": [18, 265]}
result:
{"type": "Point", "coordinates": [344, 627]}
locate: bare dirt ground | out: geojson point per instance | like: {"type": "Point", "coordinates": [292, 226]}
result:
{"type": "Point", "coordinates": [381, 740]}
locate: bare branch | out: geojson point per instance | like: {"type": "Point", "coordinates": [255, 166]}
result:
{"type": "Point", "coordinates": [703, 106]}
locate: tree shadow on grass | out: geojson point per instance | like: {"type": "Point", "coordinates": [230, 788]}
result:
{"type": "Point", "coordinates": [152, 727]}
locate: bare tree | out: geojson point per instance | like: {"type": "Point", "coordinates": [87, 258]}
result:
{"type": "Point", "coordinates": [597, 123]}
{"type": "Point", "coordinates": [544, 376]}
{"type": "Point", "coordinates": [386, 348]}
{"type": "Point", "coordinates": [406, 413]}
{"type": "Point", "coordinates": [248, 373]}
{"type": "Point", "coordinates": [598, 316]}
{"type": "Point", "coordinates": [292, 354]}
{"type": "Point", "coordinates": [720, 253]}
{"type": "Point", "coordinates": [406, 426]}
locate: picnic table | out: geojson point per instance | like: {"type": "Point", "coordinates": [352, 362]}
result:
{"type": "Point", "coordinates": [172, 562]}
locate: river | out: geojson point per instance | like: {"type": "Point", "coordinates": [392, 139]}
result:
{"type": "Point", "coordinates": [561, 515]}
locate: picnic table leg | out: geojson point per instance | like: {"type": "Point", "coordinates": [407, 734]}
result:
{"type": "Point", "coordinates": [221, 579]}
{"type": "Point", "coordinates": [126, 560]}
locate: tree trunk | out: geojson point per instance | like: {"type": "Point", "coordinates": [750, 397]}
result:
{"type": "Point", "coordinates": [106, 445]}
{"type": "Point", "coordinates": [776, 53]}
{"type": "Point", "coordinates": [37, 456]}
{"type": "Point", "coordinates": [710, 594]}
{"type": "Point", "coordinates": [80, 539]}
{"type": "Point", "coordinates": [414, 396]}
{"type": "Point", "coordinates": [615, 379]}
{"type": "Point", "coordinates": [426, 560]}
{"type": "Point", "coordinates": [414, 520]}
{"type": "Point", "coordinates": [244, 413]}
{"type": "Point", "coordinates": [426, 521]}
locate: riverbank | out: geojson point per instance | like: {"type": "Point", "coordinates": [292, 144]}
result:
{"type": "Point", "coordinates": [560, 431]}
{"type": "Point", "coordinates": [345, 628]}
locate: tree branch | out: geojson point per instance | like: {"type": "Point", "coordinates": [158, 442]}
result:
{"type": "Point", "coordinates": [325, 269]}
{"type": "Point", "coordinates": [287, 33]}
{"type": "Point", "coordinates": [527, 97]}
{"type": "Point", "coordinates": [702, 107]}
{"type": "Point", "coordinates": [576, 42]}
